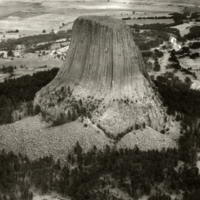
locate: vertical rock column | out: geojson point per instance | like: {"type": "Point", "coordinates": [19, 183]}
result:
{"type": "Point", "coordinates": [103, 77]}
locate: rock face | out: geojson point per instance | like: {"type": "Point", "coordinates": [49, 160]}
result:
{"type": "Point", "coordinates": [104, 78]}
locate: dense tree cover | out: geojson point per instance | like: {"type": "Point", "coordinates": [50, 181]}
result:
{"type": "Point", "coordinates": [194, 33]}
{"type": "Point", "coordinates": [173, 57]}
{"type": "Point", "coordinates": [154, 35]}
{"type": "Point", "coordinates": [183, 50]}
{"type": "Point", "coordinates": [156, 65]}
{"type": "Point", "coordinates": [13, 31]}
{"type": "Point", "coordinates": [156, 17]}
{"type": "Point", "coordinates": [160, 196]}
{"type": "Point", "coordinates": [188, 80]}
{"type": "Point", "coordinates": [150, 39]}
{"type": "Point", "coordinates": [147, 54]}
{"type": "Point", "coordinates": [15, 91]}
{"type": "Point", "coordinates": [8, 69]}
{"type": "Point", "coordinates": [187, 71]}
{"type": "Point", "coordinates": [39, 48]}
{"type": "Point", "coordinates": [32, 40]}
{"type": "Point", "coordinates": [157, 54]}
{"type": "Point", "coordinates": [126, 18]}
{"type": "Point", "coordinates": [194, 55]}
{"type": "Point", "coordinates": [178, 18]}
{"type": "Point", "coordinates": [178, 96]}
{"type": "Point", "coordinates": [194, 15]}
{"type": "Point", "coordinates": [10, 54]}
{"type": "Point", "coordinates": [175, 63]}
{"type": "Point", "coordinates": [195, 45]}
{"type": "Point", "coordinates": [163, 28]}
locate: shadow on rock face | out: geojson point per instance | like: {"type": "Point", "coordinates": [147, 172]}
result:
{"type": "Point", "coordinates": [103, 78]}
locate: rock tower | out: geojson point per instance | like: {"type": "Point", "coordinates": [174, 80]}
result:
{"type": "Point", "coordinates": [104, 78]}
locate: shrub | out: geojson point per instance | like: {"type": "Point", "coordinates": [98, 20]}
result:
{"type": "Point", "coordinates": [162, 131]}
{"type": "Point", "coordinates": [194, 33]}
{"type": "Point", "coordinates": [10, 54]}
{"type": "Point", "coordinates": [37, 109]}
{"type": "Point", "coordinates": [173, 57]}
{"type": "Point", "coordinates": [156, 65]}
{"type": "Point", "coordinates": [194, 55]}
{"type": "Point", "coordinates": [137, 127]}
{"type": "Point", "coordinates": [188, 80]}
{"type": "Point", "coordinates": [195, 45]}
{"type": "Point", "coordinates": [126, 18]}
{"type": "Point", "coordinates": [60, 119]}
{"type": "Point", "coordinates": [146, 54]}
{"type": "Point", "coordinates": [176, 66]}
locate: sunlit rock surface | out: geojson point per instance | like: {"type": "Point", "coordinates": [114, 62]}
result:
{"type": "Point", "coordinates": [104, 78]}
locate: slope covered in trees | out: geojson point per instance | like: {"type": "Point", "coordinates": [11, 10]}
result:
{"type": "Point", "coordinates": [15, 91]}
{"type": "Point", "coordinates": [194, 33]}
{"type": "Point", "coordinates": [178, 96]}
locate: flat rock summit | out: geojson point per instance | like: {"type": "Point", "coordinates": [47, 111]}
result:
{"type": "Point", "coordinates": [104, 79]}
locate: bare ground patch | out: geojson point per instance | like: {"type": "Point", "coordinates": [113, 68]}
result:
{"type": "Point", "coordinates": [147, 139]}
{"type": "Point", "coordinates": [37, 138]}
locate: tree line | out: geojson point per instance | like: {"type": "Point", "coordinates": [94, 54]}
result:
{"type": "Point", "coordinates": [28, 41]}
{"type": "Point", "coordinates": [178, 96]}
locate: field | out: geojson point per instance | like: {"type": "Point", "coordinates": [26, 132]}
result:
{"type": "Point", "coordinates": [33, 18]}
{"type": "Point", "coordinates": [30, 64]}
{"type": "Point", "coordinates": [184, 28]}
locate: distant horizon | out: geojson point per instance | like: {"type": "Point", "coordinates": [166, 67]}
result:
{"type": "Point", "coordinates": [191, 2]}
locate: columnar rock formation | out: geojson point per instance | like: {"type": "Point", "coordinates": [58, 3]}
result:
{"type": "Point", "coordinates": [104, 78]}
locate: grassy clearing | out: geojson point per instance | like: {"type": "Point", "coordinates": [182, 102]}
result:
{"type": "Point", "coordinates": [30, 66]}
